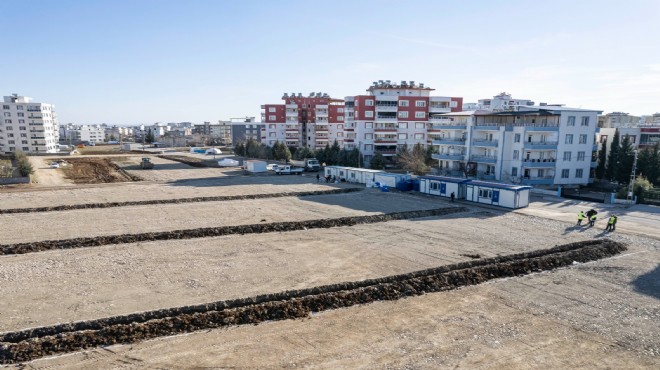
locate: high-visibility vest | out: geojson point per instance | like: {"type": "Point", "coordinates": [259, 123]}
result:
{"type": "Point", "coordinates": [611, 221]}
{"type": "Point", "coordinates": [593, 218]}
{"type": "Point", "coordinates": [580, 216]}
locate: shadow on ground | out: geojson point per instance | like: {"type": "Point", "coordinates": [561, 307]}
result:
{"type": "Point", "coordinates": [649, 283]}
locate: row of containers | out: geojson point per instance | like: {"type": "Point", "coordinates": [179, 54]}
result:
{"type": "Point", "coordinates": [491, 193]}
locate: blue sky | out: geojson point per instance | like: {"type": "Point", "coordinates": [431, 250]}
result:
{"type": "Point", "coordinates": [143, 61]}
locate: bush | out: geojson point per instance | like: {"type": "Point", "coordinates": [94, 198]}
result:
{"type": "Point", "coordinates": [23, 163]}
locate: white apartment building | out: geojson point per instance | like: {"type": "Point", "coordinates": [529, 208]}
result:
{"type": "Point", "coordinates": [499, 103]}
{"type": "Point", "coordinates": [119, 133]}
{"type": "Point", "coordinates": [392, 116]}
{"type": "Point", "coordinates": [75, 134]}
{"type": "Point", "coordinates": [28, 126]}
{"type": "Point", "coordinates": [544, 145]}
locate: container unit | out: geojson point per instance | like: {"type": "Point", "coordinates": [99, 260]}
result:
{"type": "Point", "coordinates": [443, 186]}
{"type": "Point", "coordinates": [503, 195]}
{"type": "Point", "coordinates": [255, 166]}
{"type": "Point", "coordinates": [361, 175]}
{"type": "Point", "coordinates": [393, 180]}
{"type": "Point", "coordinates": [339, 171]}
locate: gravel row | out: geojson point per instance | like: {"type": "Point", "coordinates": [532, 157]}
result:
{"type": "Point", "coordinates": [26, 345]}
{"type": "Point", "coordinates": [32, 247]}
{"type": "Point", "coordinates": [179, 200]}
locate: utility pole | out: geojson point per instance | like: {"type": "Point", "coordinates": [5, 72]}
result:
{"type": "Point", "coordinates": [631, 183]}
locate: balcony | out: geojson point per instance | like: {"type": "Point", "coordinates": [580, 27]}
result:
{"type": "Point", "coordinates": [487, 127]}
{"type": "Point", "coordinates": [321, 113]}
{"type": "Point", "coordinates": [439, 109]}
{"type": "Point", "coordinates": [385, 128]}
{"type": "Point", "coordinates": [539, 163]}
{"type": "Point", "coordinates": [542, 128]}
{"type": "Point", "coordinates": [386, 108]}
{"type": "Point", "coordinates": [385, 140]}
{"type": "Point", "coordinates": [541, 144]}
{"type": "Point", "coordinates": [449, 141]}
{"type": "Point", "coordinates": [322, 138]}
{"type": "Point", "coordinates": [321, 128]}
{"type": "Point", "coordinates": [292, 128]}
{"type": "Point", "coordinates": [451, 126]}
{"type": "Point", "coordinates": [546, 180]}
{"type": "Point", "coordinates": [484, 142]}
{"type": "Point", "coordinates": [447, 156]}
{"type": "Point", "coordinates": [381, 118]}
{"type": "Point", "coordinates": [385, 152]}
{"type": "Point", "coordinates": [288, 106]}
{"type": "Point", "coordinates": [484, 158]}
{"type": "Point", "coordinates": [441, 120]}
{"type": "Point", "coordinates": [34, 109]}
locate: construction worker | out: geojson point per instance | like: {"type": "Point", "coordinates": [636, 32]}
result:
{"type": "Point", "coordinates": [611, 223]}
{"type": "Point", "coordinates": [580, 217]}
{"type": "Point", "coordinates": [592, 220]}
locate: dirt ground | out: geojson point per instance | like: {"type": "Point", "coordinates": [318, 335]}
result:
{"type": "Point", "coordinates": [598, 314]}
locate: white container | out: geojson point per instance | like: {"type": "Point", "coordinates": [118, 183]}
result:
{"type": "Point", "coordinates": [256, 166]}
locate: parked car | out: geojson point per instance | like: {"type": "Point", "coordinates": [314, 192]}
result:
{"type": "Point", "coordinates": [54, 165]}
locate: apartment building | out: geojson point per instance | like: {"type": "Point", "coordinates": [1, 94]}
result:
{"type": "Point", "coordinates": [28, 126]}
{"type": "Point", "coordinates": [220, 131]}
{"type": "Point", "coordinates": [617, 120]}
{"type": "Point", "coordinates": [392, 115]}
{"type": "Point", "coordinates": [244, 131]}
{"type": "Point", "coordinates": [311, 121]}
{"type": "Point", "coordinates": [499, 103]}
{"type": "Point", "coordinates": [534, 145]}
{"type": "Point", "coordinates": [75, 134]}
{"type": "Point", "coordinates": [119, 133]}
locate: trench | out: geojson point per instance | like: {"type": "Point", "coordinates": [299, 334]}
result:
{"type": "Point", "coordinates": [40, 246]}
{"type": "Point", "coordinates": [26, 345]}
{"type": "Point", "coordinates": [179, 200]}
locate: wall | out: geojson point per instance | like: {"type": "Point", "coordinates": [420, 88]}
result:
{"type": "Point", "coordinates": [14, 180]}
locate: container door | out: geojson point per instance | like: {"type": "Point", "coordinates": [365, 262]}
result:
{"type": "Point", "coordinates": [443, 188]}
{"type": "Point", "coordinates": [496, 196]}
{"type": "Point", "coordinates": [469, 190]}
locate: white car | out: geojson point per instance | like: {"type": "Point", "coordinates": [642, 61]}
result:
{"type": "Point", "coordinates": [54, 165]}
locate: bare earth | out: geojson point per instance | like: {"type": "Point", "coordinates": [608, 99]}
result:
{"type": "Point", "coordinates": [604, 314]}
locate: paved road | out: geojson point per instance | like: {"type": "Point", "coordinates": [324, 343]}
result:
{"type": "Point", "coordinates": [637, 219]}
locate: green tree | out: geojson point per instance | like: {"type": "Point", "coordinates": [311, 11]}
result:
{"type": "Point", "coordinates": [113, 138]}
{"type": "Point", "coordinates": [377, 162]}
{"type": "Point", "coordinates": [332, 153]}
{"type": "Point", "coordinates": [428, 159]}
{"type": "Point", "coordinates": [149, 138]}
{"type": "Point", "coordinates": [253, 149]}
{"type": "Point", "coordinates": [342, 158]}
{"type": "Point", "coordinates": [602, 161]}
{"type": "Point", "coordinates": [239, 149]}
{"type": "Point", "coordinates": [611, 172]}
{"type": "Point", "coordinates": [626, 159]}
{"type": "Point", "coordinates": [353, 158]}
{"type": "Point", "coordinates": [23, 163]}
{"type": "Point", "coordinates": [648, 164]}
{"type": "Point", "coordinates": [414, 160]}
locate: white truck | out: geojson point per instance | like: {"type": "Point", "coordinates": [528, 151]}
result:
{"type": "Point", "coordinates": [308, 164]}
{"type": "Point", "coordinates": [288, 170]}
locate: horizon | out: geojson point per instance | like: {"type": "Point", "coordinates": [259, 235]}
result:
{"type": "Point", "coordinates": [157, 61]}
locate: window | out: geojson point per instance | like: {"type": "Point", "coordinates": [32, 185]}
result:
{"type": "Point", "coordinates": [403, 136]}
{"type": "Point", "coordinates": [23, 135]}
{"type": "Point", "coordinates": [340, 118]}
{"type": "Point", "coordinates": [368, 147]}
{"type": "Point", "coordinates": [583, 139]}
{"type": "Point", "coordinates": [578, 173]}
{"type": "Point", "coordinates": [272, 118]}
{"type": "Point", "coordinates": [485, 193]}
{"type": "Point", "coordinates": [7, 121]}
{"type": "Point", "coordinates": [7, 114]}
{"type": "Point", "coordinates": [420, 114]}
{"type": "Point", "coordinates": [5, 107]}
{"type": "Point", "coordinates": [419, 136]}
{"type": "Point", "coordinates": [420, 125]}
{"type": "Point", "coordinates": [516, 138]}
{"type": "Point", "coordinates": [580, 156]}
{"type": "Point", "coordinates": [403, 103]}
{"type": "Point", "coordinates": [403, 125]}
{"type": "Point", "coordinates": [271, 109]}
{"type": "Point", "coordinates": [514, 171]}
{"type": "Point", "coordinates": [571, 121]}
{"type": "Point", "coordinates": [435, 186]}
{"type": "Point", "coordinates": [340, 127]}
{"type": "Point", "coordinates": [12, 142]}
{"type": "Point", "coordinates": [24, 142]}
{"type": "Point", "coordinates": [21, 114]}
{"type": "Point", "coordinates": [10, 128]}
{"type": "Point", "coordinates": [516, 153]}
{"type": "Point", "coordinates": [19, 107]}
{"type": "Point", "coordinates": [403, 114]}
{"type": "Point", "coordinates": [272, 134]}
{"type": "Point", "coordinates": [269, 126]}
{"type": "Point", "coordinates": [569, 138]}
{"type": "Point", "coordinates": [26, 149]}
{"type": "Point", "coordinates": [369, 114]}
{"type": "Point", "coordinates": [368, 136]}
{"type": "Point", "coordinates": [368, 125]}
{"type": "Point", "coordinates": [369, 103]}
{"type": "Point", "coordinates": [567, 156]}
{"type": "Point", "coordinates": [420, 103]}
{"type": "Point", "coordinates": [564, 174]}
{"type": "Point", "coordinates": [585, 121]}
{"type": "Point", "coordinates": [340, 110]}
{"type": "Point", "coordinates": [21, 121]}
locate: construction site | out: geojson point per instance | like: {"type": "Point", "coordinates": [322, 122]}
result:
{"type": "Point", "coordinates": [107, 264]}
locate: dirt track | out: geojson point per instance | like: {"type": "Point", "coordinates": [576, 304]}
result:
{"type": "Point", "coordinates": [93, 171]}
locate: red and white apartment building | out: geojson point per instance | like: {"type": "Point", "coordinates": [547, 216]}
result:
{"type": "Point", "coordinates": [389, 116]}
{"type": "Point", "coordinates": [304, 121]}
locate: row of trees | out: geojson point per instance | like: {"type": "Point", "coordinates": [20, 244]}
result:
{"type": "Point", "coordinates": [617, 166]}
{"type": "Point", "coordinates": [417, 159]}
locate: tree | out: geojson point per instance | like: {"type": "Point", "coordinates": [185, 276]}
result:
{"type": "Point", "coordinates": [602, 160]}
{"type": "Point", "coordinates": [149, 138]}
{"type": "Point", "coordinates": [113, 138]}
{"type": "Point", "coordinates": [377, 162]}
{"type": "Point", "coordinates": [626, 159]}
{"type": "Point", "coordinates": [414, 160]}
{"type": "Point", "coordinates": [353, 158]}
{"type": "Point", "coordinates": [239, 149]}
{"type": "Point", "coordinates": [281, 152]}
{"type": "Point", "coordinates": [648, 164]}
{"type": "Point", "coordinates": [332, 153]}
{"type": "Point", "coordinates": [611, 171]}
{"type": "Point", "coordinates": [23, 163]}
{"type": "Point", "coordinates": [430, 150]}
{"type": "Point", "coordinates": [253, 149]}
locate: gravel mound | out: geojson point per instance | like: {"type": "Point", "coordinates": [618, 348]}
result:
{"type": "Point", "coordinates": [30, 344]}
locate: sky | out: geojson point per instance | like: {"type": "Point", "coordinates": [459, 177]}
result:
{"type": "Point", "coordinates": [145, 61]}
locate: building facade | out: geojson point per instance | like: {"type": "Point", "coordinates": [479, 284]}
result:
{"type": "Point", "coordinates": [244, 131]}
{"type": "Point", "coordinates": [311, 121]}
{"type": "Point", "coordinates": [499, 103]}
{"type": "Point", "coordinates": [392, 116]}
{"type": "Point", "coordinates": [546, 145]}
{"type": "Point", "coordinates": [617, 120]}
{"type": "Point", "coordinates": [28, 126]}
